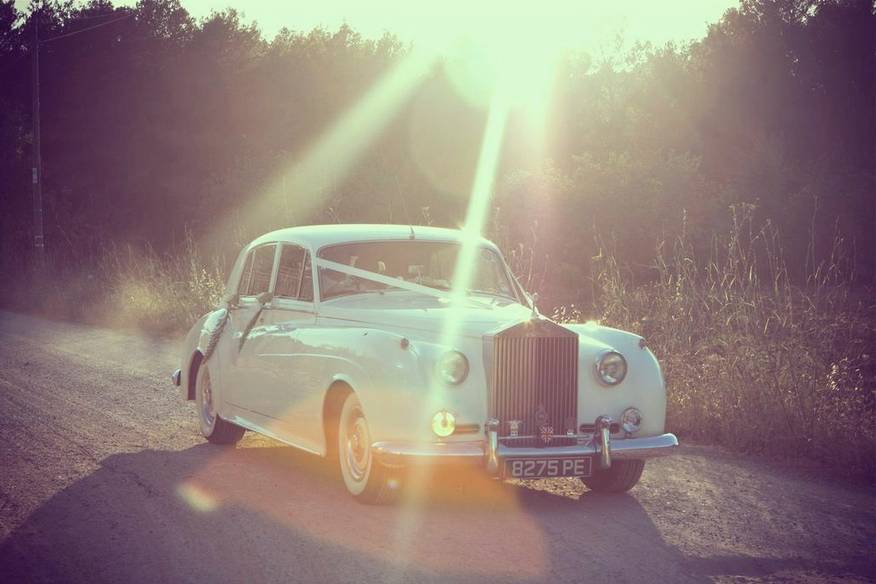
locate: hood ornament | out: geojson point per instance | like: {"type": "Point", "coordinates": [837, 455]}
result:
{"type": "Point", "coordinates": [532, 300]}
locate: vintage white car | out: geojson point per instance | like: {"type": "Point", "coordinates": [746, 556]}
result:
{"type": "Point", "coordinates": [384, 346]}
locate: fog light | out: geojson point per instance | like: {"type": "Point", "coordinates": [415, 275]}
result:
{"type": "Point", "coordinates": [443, 424]}
{"type": "Point", "coordinates": [631, 419]}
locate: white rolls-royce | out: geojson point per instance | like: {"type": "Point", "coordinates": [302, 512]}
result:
{"type": "Point", "coordinates": [384, 346]}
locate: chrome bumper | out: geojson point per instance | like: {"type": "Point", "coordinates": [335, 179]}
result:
{"type": "Point", "coordinates": [175, 377]}
{"type": "Point", "coordinates": [482, 451]}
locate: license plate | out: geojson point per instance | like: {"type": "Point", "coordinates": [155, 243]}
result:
{"type": "Point", "coordinates": [542, 468]}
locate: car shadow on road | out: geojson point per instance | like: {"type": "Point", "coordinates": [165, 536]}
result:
{"type": "Point", "coordinates": [266, 513]}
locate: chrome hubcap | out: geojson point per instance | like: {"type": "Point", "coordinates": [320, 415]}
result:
{"type": "Point", "coordinates": [207, 414]}
{"type": "Point", "coordinates": [358, 451]}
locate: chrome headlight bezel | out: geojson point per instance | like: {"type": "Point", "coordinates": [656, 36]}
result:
{"type": "Point", "coordinates": [443, 424]}
{"type": "Point", "coordinates": [452, 367]}
{"type": "Point", "coordinates": [631, 420]}
{"type": "Point", "coordinates": [606, 359]}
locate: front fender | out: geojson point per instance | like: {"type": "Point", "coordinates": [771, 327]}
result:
{"type": "Point", "coordinates": [643, 387]}
{"type": "Point", "coordinates": [378, 368]}
{"type": "Point", "coordinates": [393, 377]}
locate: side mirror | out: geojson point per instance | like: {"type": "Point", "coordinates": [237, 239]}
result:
{"type": "Point", "coordinates": [232, 300]}
{"type": "Point", "coordinates": [264, 298]}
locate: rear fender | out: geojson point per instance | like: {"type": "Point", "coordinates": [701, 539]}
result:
{"type": "Point", "coordinates": [194, 349]}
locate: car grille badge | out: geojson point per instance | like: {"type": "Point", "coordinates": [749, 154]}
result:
{"type": "Point", "coordinates": [545, 430]}
{"type": "Point", "coordinates": [546, 433]}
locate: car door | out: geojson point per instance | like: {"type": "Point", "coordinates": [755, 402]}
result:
{"type": "Point", "coordinates": [282, 354]}
{"type": "Point", "coordinates": [243, 379]}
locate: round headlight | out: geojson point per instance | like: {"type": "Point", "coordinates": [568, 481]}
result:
{"type": "Point", "coordinates": [631, 419]}
{"type": "Point", "coordinates": [452, 367]}
{"type": "Point", "coordinates": [611, 368]}
{"type": "Point", "coordinates": [443, 424]}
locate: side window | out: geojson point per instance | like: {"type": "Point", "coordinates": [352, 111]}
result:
{"type": "Point", "coordinates": [289, 271]}
{"type": "Point", "coordinates": [246, 275]}
{"type": "Point", "coordinates": [262, 260]}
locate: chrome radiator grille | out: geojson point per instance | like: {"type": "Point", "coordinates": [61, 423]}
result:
{"type": "Point", "coordinates": [535, 378]}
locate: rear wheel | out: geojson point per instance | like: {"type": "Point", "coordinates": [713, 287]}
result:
{"type": "Point", "coordinates": [214, 428]}
{"type": "Point", "coordinates": [363, 475]}
{"type": "Point", "coordinates": [622, 476]}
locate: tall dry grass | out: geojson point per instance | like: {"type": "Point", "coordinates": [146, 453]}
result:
{"type": "Point", "coordinates": [751, 360]}
{"type": "Point", "coordinates": [126, 286]}
{"type": "Point", "coordinates": [161, 293]}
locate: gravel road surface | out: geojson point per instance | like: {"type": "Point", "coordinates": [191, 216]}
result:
{"type": "Point", "coordinates": [104, 478]}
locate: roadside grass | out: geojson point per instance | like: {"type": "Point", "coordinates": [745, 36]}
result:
{"type": "Point", "coordinates": [751, 360]}
{"type": "Point", "coordinates": [125, 287]}
{"type": "Point", "coordinates": [163, 294]}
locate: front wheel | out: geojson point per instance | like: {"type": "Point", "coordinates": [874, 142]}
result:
{"type": "Point", "coordinates": [621, 477]}
{"type": "Point", "coordinates": [214, 428]}
{"type": "Point", "coordinates": [364, 477]}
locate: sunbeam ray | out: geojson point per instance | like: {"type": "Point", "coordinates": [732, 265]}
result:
{"type": "Point", "coordinates": [306, 182]}
{"type": "Point", "coordinates": [478, 208]}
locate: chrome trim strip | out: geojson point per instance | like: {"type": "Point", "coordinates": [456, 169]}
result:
{"type": "Point", "coordinates": [650, 447]}
{"type": "Point", "coordinates": [476, 451]}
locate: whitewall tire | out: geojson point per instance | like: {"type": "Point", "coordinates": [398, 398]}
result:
{"type": "Point", "coordinates": [214, 428]}
{"type": "Point", "coordinates": [365, 478]}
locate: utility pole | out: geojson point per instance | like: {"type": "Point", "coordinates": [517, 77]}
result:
{"type": "Point", "coordinates": [39, 243]}
{"type": "Point", "coordinates": [39, 240]}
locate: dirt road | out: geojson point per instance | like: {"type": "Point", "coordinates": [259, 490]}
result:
{"type": "Point", "coordinates": [104, 478]}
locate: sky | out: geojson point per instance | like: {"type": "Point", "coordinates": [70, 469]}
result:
{"type": "Point", "coordinates": [574, 23]}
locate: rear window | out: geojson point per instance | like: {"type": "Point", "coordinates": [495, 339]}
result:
{"type": "Point", "coordinates": [256, 277]}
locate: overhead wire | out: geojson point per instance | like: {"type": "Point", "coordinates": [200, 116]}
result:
{"type": "Point", "coordinates": [75, 32]}
{"type": "Point", "coordinates": [77, 18]}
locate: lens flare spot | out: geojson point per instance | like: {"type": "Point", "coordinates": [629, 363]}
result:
{"type": "Point", "coordinates": [197, 497]}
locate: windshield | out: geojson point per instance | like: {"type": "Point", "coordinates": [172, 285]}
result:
{"type": "Point", "coordinates": [428, 263]}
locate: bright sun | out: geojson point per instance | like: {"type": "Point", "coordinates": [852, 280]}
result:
{"type": "Point", "coordinates": [495, 47]}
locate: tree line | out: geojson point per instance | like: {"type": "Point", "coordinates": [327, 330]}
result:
{"type": "Point", "coordinates": [158, 124]}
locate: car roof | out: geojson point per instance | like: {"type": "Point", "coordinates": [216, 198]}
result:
{"type": "Point", "coordinates": [318, 236]}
